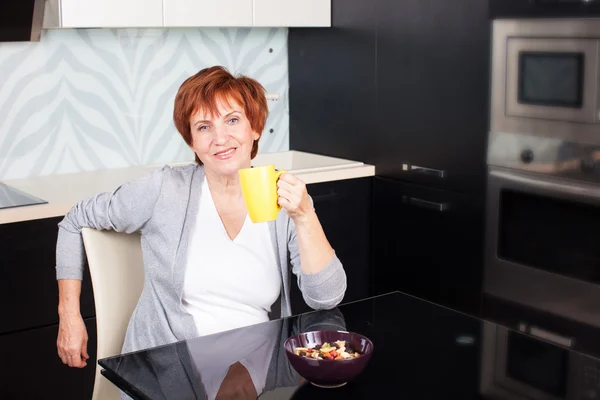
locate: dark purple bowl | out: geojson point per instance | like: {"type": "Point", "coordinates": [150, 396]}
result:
{"type": "Point", "coordinates": [328, 373]}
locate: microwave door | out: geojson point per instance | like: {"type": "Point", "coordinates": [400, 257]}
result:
{"type": "Point", "coordinates": [552, 79]}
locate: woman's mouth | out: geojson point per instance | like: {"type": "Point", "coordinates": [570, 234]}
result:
{"type": "Point", "coordinates": [225, 154]}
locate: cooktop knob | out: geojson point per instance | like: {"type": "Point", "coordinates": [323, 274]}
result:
{"type": "Point", "coordinates": [527, 156]}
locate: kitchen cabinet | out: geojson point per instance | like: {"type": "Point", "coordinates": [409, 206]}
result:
{"type": "Point", "coordinates": [427, 243]}
{"type": "Point", "coordinates": [343, 208]}
{"type": "Point", "coordinates": [300, 13]}
{"type": "Point", "coordinates": [432, 92]}
{"type": "Point", "coordinates": [186, 13]}
{"type": "Point", "coordinates": [332, 92]}
{"type": "Point", "coordinates": [219, 13]}
{"type": "Point", "coordinates": [28, 290]}
{"type": "Point", "coordinates": [109, 13]}
{"type": "Point", "coordinates": [31, 368]}
{"type": "Point", "coordinates": [406, 88]}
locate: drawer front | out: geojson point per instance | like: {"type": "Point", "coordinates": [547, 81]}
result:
{"type": "Point", "coordinates": [29, 290]}
{"type": "Point", "coordinates": [427, 243]}
{"type": "Point", "coordinates": [343, 208]}
{"type": "Point", "coordinates": [32, 369]}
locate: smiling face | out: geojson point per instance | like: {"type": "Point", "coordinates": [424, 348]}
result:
{"type": "Point", "coordinates": [223, 140]}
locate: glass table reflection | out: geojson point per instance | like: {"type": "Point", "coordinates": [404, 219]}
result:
{"type": "Point", "coordinates": [422, 351]}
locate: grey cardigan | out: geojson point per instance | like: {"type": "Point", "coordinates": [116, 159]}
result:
{"type": "Point", "coordinates": [162, 206]}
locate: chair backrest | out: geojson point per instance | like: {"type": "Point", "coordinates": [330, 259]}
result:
{"type": "Point", "coordinates": [117, 272]}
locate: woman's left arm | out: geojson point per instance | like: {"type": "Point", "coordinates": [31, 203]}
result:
{"type": "Point", "coordinates": [321, 276]}
{"type": "Point", "coordinates": [315, 250]}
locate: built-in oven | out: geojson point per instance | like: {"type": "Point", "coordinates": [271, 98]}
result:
{"type": "Point", "coordinates": [517, 367]}
{"type": "Point", "coordinates": [545, 77]}
{"type": "Point", "coordinates": [543, 187]}
{"type": "Point", "coordinates": [543, 225]}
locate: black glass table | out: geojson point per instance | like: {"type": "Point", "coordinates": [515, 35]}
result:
{"type": "Point", "coordinates": [422, 351]}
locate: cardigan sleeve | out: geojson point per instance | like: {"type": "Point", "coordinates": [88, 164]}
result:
{"type": "Point", "coordinates": [126, 209]}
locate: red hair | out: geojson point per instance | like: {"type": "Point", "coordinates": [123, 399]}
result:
{"type": "Point", "coordinates": [202, 91]}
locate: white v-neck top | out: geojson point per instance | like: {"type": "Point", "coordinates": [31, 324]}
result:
{"type": "Point", "coordinates": [229, 283]}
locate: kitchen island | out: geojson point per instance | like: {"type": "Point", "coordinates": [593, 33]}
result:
{"type": "Point", "coordinates": [341, 191]}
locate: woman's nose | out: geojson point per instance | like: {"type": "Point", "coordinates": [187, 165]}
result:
{"type": "Point", "coordinates": [221, 134]}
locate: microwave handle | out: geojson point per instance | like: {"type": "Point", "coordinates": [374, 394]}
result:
{"type": "Point", "coordinates": [577, 189]}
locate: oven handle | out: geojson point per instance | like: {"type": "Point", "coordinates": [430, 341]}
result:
{"type": "Point", "coordinates": [576, 189]}
{"type": "Point", "coordinates": [547, 335]}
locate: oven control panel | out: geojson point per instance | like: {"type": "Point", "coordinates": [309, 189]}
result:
{"type": "Point", "coordinates": [548, 156]}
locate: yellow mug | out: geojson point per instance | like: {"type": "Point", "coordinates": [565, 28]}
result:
{"type": "Point", "coordinates": [259, 187]}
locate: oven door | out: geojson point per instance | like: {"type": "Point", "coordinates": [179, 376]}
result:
{"type": "Point", "coordinates": [517, 366]}
{"type": "Point", "coordinates": [543, 243]}
{"type": "Point", "coordinates": [552, 79]}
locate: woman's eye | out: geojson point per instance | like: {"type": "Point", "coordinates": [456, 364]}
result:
{"type": "Point", "coordinates": [202, 128]}
{"type": "Point", "coordinates": [234, 120]}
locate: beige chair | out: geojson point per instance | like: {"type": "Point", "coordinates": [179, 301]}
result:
{"type": "Point", "coordinates": [117, 271]}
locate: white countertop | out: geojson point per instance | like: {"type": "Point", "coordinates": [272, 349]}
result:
{"type": "Point", "coordinates": [63, 191]}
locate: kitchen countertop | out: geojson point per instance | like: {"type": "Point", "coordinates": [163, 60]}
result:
{"type": "Point", "coordinates": [63, 191]}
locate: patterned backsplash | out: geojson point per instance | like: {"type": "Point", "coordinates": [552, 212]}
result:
{"type": "Point", "coordinates": [87, 99]}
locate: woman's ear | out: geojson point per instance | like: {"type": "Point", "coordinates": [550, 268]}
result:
{"type": "Point", "coordinates": [255, 135]}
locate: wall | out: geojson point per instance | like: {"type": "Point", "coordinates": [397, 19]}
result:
{"type": "Point", "coordinates": [88, 99]}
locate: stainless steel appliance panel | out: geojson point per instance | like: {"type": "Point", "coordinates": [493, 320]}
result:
{"type": "Point", "coordinates": [564, 287]}
{"type": "Point", "coordinates": [550, 35]}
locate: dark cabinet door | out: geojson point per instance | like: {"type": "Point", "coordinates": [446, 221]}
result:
{"type": "Point", "coordinates": [332, 83]}
{"type": "Point", "coordinates": [343, 208]}
{"type": "Point", "coordinates": [29, 291]}
{"type": "Point", "coordinates": [31, 368]}
{"type": "Point", "coordinates": [432, 93]}
{"type": "Point", "coordinates": [427, 243]}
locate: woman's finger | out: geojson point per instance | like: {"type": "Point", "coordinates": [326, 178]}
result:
{"type": "Point", "coordinates": [285, 193]}
{"type": "Point", "coordinates": [285, 185]}
{"type": "Point", "coordinates": [62, 356]}
{"type": "Point", "coordinates": [283, 202]}
{"type": "Point", "coordinates": [289, 178]}
{"type": "Point", "coordinates": [84, 352]}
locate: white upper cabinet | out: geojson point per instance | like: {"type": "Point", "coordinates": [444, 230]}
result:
{"type": "Point", "coordinates": [207, 13]}
{"type": "Point", "coordinates": [299, 13]}
{"type": "Point", "coordinates": [186, 13]}
{"type": "Point", "coordinates": [110, 13]}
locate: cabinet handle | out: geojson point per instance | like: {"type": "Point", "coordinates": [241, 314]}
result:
{"type": "Point", "coordinates": [325, 197]}
{"type": "Point", "coordinates": [547, 335]}
{"type": "Point", "coordinates": [431, 205]}
{"type": "Point", "coordinates": [439, 173]}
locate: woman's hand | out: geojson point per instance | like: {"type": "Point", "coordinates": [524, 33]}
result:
{"type": "Point", "coordinates": [72, 341]}
{"type": "Point", "coordinates": [293, 197]}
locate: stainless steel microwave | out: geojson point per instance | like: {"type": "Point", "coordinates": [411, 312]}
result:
{"type": "Point", "coordinates": [545, 78]}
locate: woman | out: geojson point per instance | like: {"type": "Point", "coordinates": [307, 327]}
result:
{"type": "Point", "coordinates": [208, 267]}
